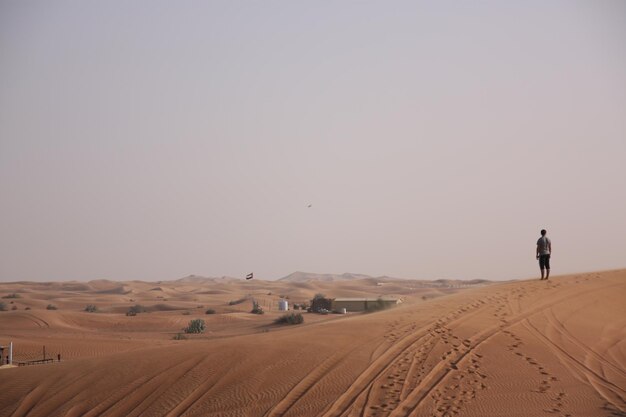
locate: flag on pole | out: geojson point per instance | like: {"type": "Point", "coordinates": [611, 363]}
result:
{"type": "Point", "coordinates": [250, 276]}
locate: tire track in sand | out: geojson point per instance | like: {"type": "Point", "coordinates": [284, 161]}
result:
{"type": "Point", "coordinates": [558, 325]}
{"type": "Point", "coordinates": [608, 390]}
{"type": "Point", "coordinates": [354, 396]}
{"type": "Point", "coordinates": [303, 387]}
{"type": "Point", "coordinates": [407, 345]}
{"type": "Point", "coordinates": [440, 371]}
{"type": "Point", "coordinates": [557, 403]}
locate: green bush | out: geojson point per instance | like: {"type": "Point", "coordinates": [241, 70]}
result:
{"type": "Point", "coordinates": [179, 336]}
{"type": "Point", "coordinates": [256, 308]}
{"type": "Point", "coordinates": [195, 326]}
{"type": "Point", "coordinates": [290, 318]}
{"type": "Point", "coordinates": [51, 307]}
{"type": "Point", "coordinates": [90, 308]}
{"type": "Point", "coordinates": [136, 309]}
{"type": "Point", "coordinates": [210, 311]}
{"type": "Point", "coordinates": [12, 295]}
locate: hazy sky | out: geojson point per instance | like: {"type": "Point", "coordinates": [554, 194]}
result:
{"type": "Point", "coordinates": [155, 139]}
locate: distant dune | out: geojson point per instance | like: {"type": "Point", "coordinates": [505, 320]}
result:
{"type": "Point", "coordinates": [453, 348]}
{"type": "Point", "coordinates": [200, 279]}
{"type": "Point", "coordinates": [309, 276]}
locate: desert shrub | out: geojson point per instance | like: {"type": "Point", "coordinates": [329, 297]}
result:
{"type": "Point", "coordinates": [256, 308]}
{"type": "Point", "coordinates": [210, 311]}
{"type": "Point", "coordinates": [290, 318]}
{"type": "Point", "coordinates": [27, 308]}
{"type": "Point", "coordinates": [319, 296]}
{"type": "Point", "coordinates": [3, 306]}
{"type": "Point", "coordinates": [195, 326]}
{"type": "Point", "coordinates": [14, 308]}
{"type": "Point", "coordinates": [136, 309]}
{"type": "Point", "coordinates": [12, 295]}
{"type": "Point", "coordinates": [90, 308]}
{"type": "Point", "coordinates": [186, 313]}
{"type": "Point", "coordinates": [51, 307]}
{"type": "Point", "coordinates": [179, 336]}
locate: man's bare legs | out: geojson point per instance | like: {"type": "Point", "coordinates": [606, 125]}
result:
{"type": "Point", "coordinates": [547, 273]}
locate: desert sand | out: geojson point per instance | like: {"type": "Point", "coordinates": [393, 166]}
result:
{"type": "Point", "coordinates": [519, 348]}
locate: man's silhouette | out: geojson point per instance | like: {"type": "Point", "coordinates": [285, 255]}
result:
{"type": "Point", "coordinates": [544, 249]}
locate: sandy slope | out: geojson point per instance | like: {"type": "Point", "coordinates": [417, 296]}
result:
{"type": "Point", "coordinates": [515, 349]}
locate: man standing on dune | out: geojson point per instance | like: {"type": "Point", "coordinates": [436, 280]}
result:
{"type": "Point", "coordinates": [544, 249]}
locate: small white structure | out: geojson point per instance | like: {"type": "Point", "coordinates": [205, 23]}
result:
{"type": "Point", "coordinates": [283, 305]}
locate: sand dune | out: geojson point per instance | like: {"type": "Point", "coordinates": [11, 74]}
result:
{"type": "Point", "coordinates": [526, 348]}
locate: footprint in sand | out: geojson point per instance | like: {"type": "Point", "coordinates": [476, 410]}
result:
{"type": "Point", "coordinates": [531, 361]}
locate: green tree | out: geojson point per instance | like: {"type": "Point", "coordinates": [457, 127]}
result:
{"type": "Point", "coordinates": [196, 326]}
{"type": "Point", "coordinates": [290, 318]}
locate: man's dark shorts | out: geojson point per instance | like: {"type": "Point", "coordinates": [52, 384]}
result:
{"type": "Point", "coordinates": [544, 261]}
